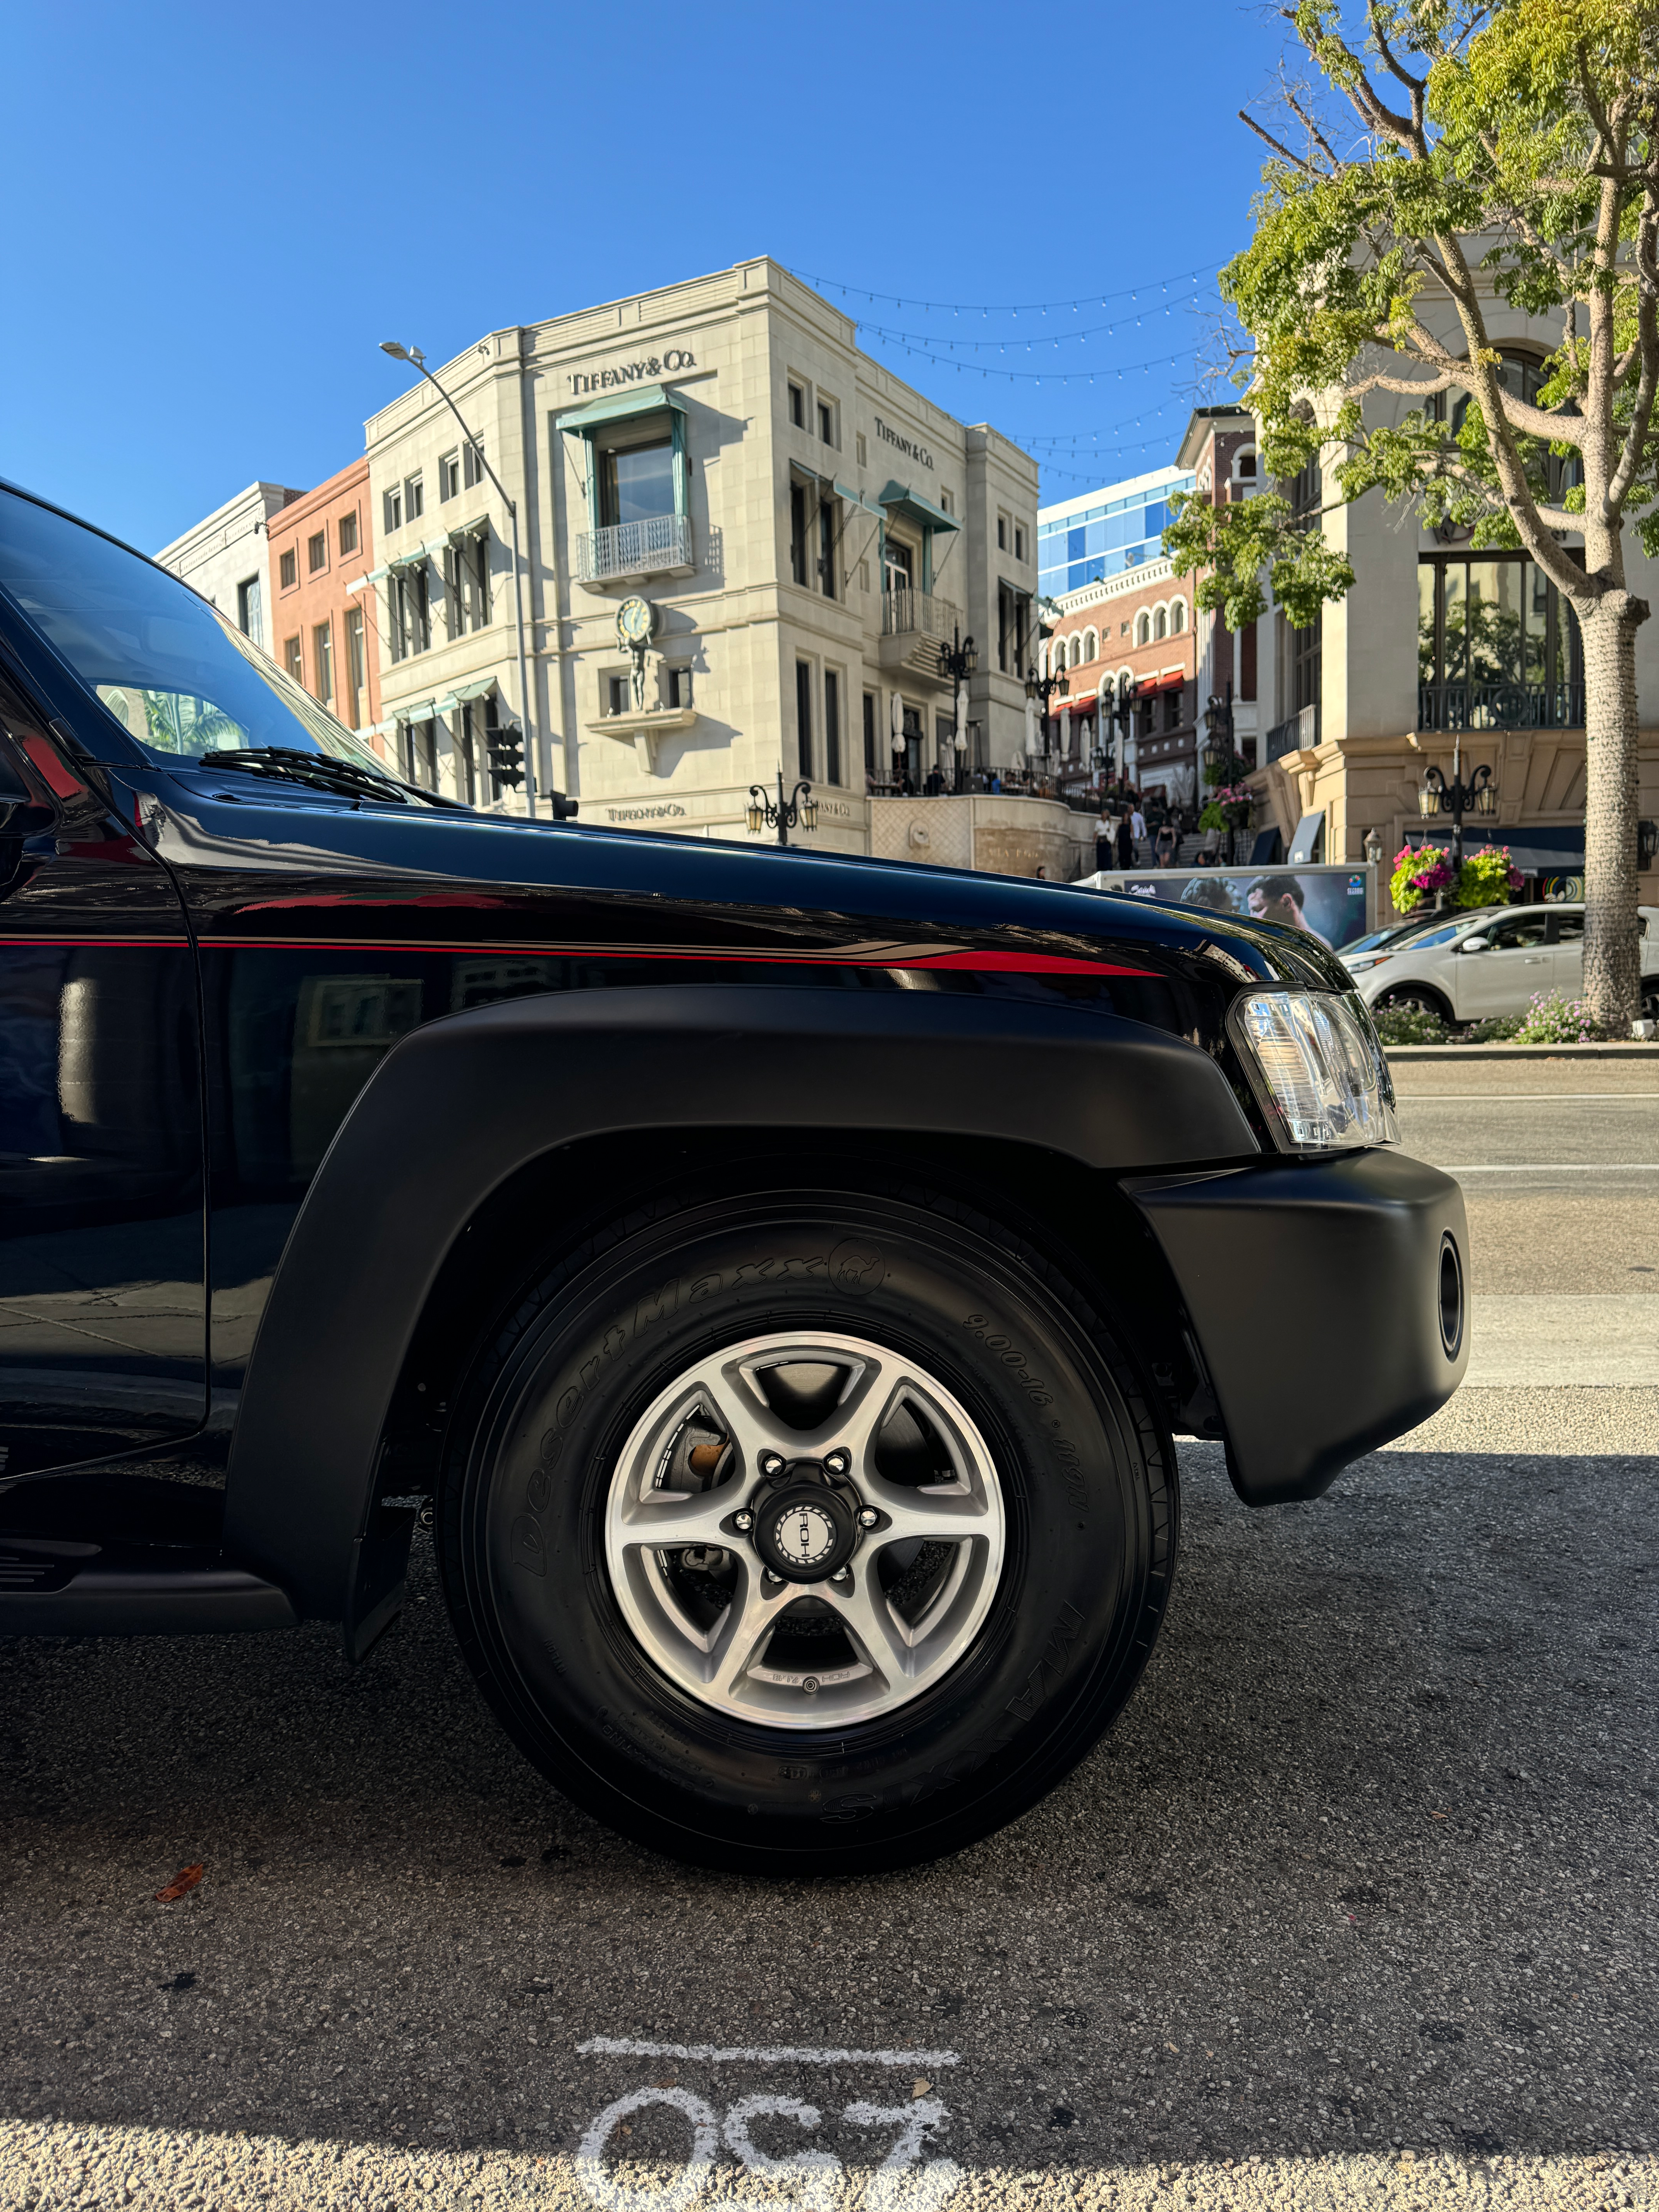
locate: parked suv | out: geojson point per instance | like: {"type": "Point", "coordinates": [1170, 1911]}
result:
{"type": "Point", "coordinates": [776, 1279]}
{"type": "Point", "coordinates": [1495, 961]}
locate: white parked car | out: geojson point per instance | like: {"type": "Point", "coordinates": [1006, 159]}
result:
{"type": "Point", "coordinates": [1493, 960]}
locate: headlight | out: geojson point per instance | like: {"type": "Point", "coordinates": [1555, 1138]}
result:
{"type": "Point", "coordinates": [1366, 960]}
{"type": "Point", "coordinates": [1318, 1068]}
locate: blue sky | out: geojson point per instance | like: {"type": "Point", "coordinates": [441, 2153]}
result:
{"type": "Point", "coordinates": [214, 214]}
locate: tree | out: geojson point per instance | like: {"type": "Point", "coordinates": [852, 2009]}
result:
{"type": "Point", "coordinates": [1508, 152]}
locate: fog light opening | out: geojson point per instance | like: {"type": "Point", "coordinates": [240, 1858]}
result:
{"type": "Point", "coordinates": [1451, 1297]}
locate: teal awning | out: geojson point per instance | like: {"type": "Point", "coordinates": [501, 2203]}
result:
{"type": "Point", "coordinates": [860, 499]}
{"type": "Point", "coordinates": [463, 692]}
{"type": "Point", "coordinates": [901, 497]}
{"type": "Point", "coordinates": [643, 400]}
{"type": "Point", "coordinates": [419, 711]}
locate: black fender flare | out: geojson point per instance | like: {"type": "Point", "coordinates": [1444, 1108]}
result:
{"type": "Point", "coordinates": [464, 1101]}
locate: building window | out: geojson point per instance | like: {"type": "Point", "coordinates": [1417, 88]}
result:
{"type": "Point", "coordinates": [348, 533]}
{"type": "Point", "coordinates": [803, 719]}
{"type": "Point", "coordinates": [1143, 627]}
{"type": "Point", "coordinates": [637, 482]}
{"type": "Point", "coordinates": [1091, 646]}
{"type": "Point", "coordinates": [1177, 617]}
{"type": "Point", "coordinates": [1071, 654]}
{"type": "Point", "coordinates": [797, 533]}
{"type": "Point", "coordinates": [421, 755]}
{"type": "Point", "coordinates": [409, 610]}
{"type": "Point", "coordinates": [322, 654]}
{"type": "Point", "coordinates": [251, 610]}
{"type": "Point", "coordinates": [1497, 647]}
{"type": "Point", "coordinates": [826, 423]}
{"type": "Point", "coordinates": [831, 727]}
{"type": "Point", "coordinates": [798, 406]}
{"type": "Point", "coordinates": [294, 659]}
{"type": "Point", "coordinates": [1002, 533]}
{"type": "Point", "coordinates": [946, 501]}
{"type": "Point", "coordinates": [466, 765]}
{"type": "Point", "coordinates": [827, 548]}
{"type": "Point", "coordinates": [1160, 622]}
{"type": "Point", "coordinates": [1013, 628]}
{"type": "Point", "coordinates": [859, 447]}
{"type": "Point", "coordinates": [1172, 703]}
{"type": "Point", "coordinates": [414, 499]}
{"type": "Point", "coordinates": [316, 552]}
{"type": "Point", "coordinates": [617, 699]}
{"type": "Point", "coordinates": [679, 684]}
{"type": "Point", "coordinates": [288, 569]}
{"type": "Point", "coordinates": [449, 477]}
{"type": "Point", "coordinates": [871, 767]}
{"type": "Point", "coordinates": [472, 463]}
{"type": "Point", "coordinates": [393, 504]}
{"type": "Point", "coordinates": [1019, 543]}
{"type": "Point", "coordinates": [1245, 466]}
{"type": "Point", "coordinates": [356, 667]}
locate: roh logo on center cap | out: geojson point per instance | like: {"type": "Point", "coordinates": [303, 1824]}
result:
{"type": "Point", "coordinates": [804, 1534]}
{"type": "Point", "coordinates": [807, 1531]}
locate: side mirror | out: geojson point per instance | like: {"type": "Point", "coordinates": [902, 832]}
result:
{"type": "Point", "coordinates": [1474, 944]}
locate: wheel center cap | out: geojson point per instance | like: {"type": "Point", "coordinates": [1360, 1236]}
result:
{"type": "Point", "coordinates": [806, 1531]}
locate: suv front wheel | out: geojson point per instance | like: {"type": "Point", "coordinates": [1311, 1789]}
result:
{"type": "Point", "coordinates": [805, 1532]}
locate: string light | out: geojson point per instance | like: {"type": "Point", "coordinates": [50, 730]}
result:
{"type": "Point", "coordinates": [1023, 307]}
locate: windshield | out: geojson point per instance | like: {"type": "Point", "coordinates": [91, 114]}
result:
{"type": "Point", "coordinates": [1396, 932]}
{"type": "Point", "coordinates": [177, 677]}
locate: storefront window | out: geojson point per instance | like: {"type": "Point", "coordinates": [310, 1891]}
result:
{"type": "Point", "coordinates": [637, 482]}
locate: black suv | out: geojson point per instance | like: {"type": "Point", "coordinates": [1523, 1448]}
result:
{"type": "Point", "coordinates": [776, 1278]}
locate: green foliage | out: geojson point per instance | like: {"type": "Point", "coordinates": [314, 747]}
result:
{"type": "Point", "coordinates": [1497, 1028]}
{"type": "Point", "coordinates": [1486, 878]}
{"type": "Point", "coordinates": [1551, 1019]}
{"type": "Point", "coordinates": [1408, 1026]}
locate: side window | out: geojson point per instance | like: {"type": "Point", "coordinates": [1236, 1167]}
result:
{"type": "Point", "coordinates": [1569, 928]}
{"type": "Point", "coordinates": [1512, 931]}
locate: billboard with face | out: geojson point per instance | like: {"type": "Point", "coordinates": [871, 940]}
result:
{"type": "Point", "coordinates": [1335, 905]}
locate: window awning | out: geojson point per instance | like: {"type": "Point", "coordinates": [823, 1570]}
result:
{"type": "Point", "coordinates": [412, 559]}
{"type": "Point", "coordinates": [476, 528]}
{"type": "Point", "coordinates": [363, 582]}
{"type": "Point", "coordinates": [860, 499]}
{"type": "Point", "coordinates": [418, 710]}
{"type": "Point", "coordinates": [813, 475]}
{"type": "Point", "coordinates": [643, 400]}
{"type": "Point", "coordinates": [900, 497]}
{"type": "Point", "coordinates": [1540, 848]}
{"type": "Point", "coordinates": [437, 547]}
{"type": "Point", "coordinates": [463, 692]}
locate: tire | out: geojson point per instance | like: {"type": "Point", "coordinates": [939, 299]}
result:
{"type": "Point", "coordinates": [859, 1750]}
{"type": "Point", "coordinates": [1649, 1000]}
{"type": "Point", "coordinates": [1421, 995]}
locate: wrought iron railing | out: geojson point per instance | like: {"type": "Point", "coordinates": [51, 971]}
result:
{"type": "Point", "coordinates": [634, 549]}
{"type": "Point", "coordinates": [905, 611]}
{"type": "Point", "coordinates": [1500, 706]}
{"type": "Point", "coordinates": [1299, 733]}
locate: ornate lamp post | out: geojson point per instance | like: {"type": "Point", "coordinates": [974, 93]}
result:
{"type": "Point", "coordinates": [1477, 796]}
{"type": "Point", "coordinates": [957, 660]}
{"type": "Point", "coordinates": [1039, 689]}
{"type": "Point", "coordinates": [799, 811]}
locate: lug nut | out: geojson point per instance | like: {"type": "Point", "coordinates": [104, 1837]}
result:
{"type": "Point", "coordinates": [837, 1462]}
{"type": "Point", "coordinates": [771, 1463]}
{"type": "Point", "coordinates": [743, 1522]}
{"type": "Point", "coordinates": [869, 1518]}
{"type": "Point", "coordinates": [842, 1575]}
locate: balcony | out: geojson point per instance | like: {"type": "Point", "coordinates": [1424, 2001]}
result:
{"type": "Point", "coordinates": [1456, 707]}
{"type": "Point", "coordinates": [914, 625]}
{"type": "Point", "coordinates": [1300, 733]}
{"type": "Point", "coordinates": [658, 546]}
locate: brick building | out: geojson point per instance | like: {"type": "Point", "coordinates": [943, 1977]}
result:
{"type": "Point", "coordinates": [1136, 633]}
{"type": "Point", "coordinates": [320, 629]}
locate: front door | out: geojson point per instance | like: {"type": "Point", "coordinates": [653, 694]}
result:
{"type": "Point", "coordinates": [1515, 968]}
{"type": "Point", "coordinates": [1567, 950]}
{"type": "Point", "coordinates": [103, 1320]}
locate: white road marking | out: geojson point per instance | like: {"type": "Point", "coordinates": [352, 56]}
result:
{"type": "Point", "coordinates": [1509, 1098]}
{"type": "Point", "coordinates": [1561, 1167]}
{"type": "Point", "coordinates": [781, 2054]}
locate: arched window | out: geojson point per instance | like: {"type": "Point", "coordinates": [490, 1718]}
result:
{"type": "Point", "coordinates": [1091, 646]}
{"type": "Point", "coordinates": [1160, 622]}
{"type": "Point", "coordinates": [1177, 617]}
{"type": "Point", "coordinates": [1143, 627]}
{"type": "Point", "coordinates": [1244, 465]}
{"type": "Point", "coordinates": [1076, 649]}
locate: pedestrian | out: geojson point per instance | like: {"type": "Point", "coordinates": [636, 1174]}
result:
{"type": "Point", "coordinates": [1126, 843]}
{"type": "Point", "coordinates": [1105, 837]}
{"type": "Point", "coordinates": [1168, 841]}
{"type": "Point", "coordinates": [1137, 832]}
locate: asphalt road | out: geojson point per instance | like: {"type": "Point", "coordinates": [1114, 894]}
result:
{"type": "Point", "coordinates": [1354, 1907]}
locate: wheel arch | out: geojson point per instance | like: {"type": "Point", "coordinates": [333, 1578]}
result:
{"type": "Point", "coordinates": [472, 1116]}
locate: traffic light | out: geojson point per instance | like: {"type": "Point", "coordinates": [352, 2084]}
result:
{"type": "Point", "coordinates": [505, 748]}
{"type": "Point", "coordinates": [562, 808]}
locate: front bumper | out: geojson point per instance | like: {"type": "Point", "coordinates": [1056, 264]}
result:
{"type": "Point", "coordinates": [1328, 1300]}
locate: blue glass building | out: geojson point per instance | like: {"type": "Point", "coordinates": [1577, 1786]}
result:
{"type": "Point", "coordinates": [1100, 532]}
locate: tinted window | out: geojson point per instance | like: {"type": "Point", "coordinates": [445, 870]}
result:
{"type": "Point", "coordinates": [1514, 929]}
{"type": "Point", "coordinates": [176, 675]}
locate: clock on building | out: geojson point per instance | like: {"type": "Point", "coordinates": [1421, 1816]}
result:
{"type": "Point", "coordinates": [636, 620]}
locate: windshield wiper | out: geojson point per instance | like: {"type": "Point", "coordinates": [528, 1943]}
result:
{"type": "Point", "coordinates": [345, 779]}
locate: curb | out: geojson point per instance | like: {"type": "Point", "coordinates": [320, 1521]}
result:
{"type": "Point", "coordinates": [1625, 1048]}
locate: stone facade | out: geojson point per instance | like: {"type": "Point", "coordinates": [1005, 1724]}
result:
{"type": "Point", "coordinates": [1003, 834]}
{"type": "Point", "coordinates": [805, 530]}
{"type": "Point", "coordinates": [224, 557]}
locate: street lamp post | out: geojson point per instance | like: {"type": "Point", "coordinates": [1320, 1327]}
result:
{"type": "Point", "coordinates": [1218, 741]}
{"type": "Point", "coordinates": [1039, 689]}
{"type": "Point", "coordinates": [957, 660]}
{"type": "Point", "coordinates": [799, 811]}
{"type": "Point", "coordinates": [416, 359]}
{"type": "Point", "coordinates": [1477, 796]}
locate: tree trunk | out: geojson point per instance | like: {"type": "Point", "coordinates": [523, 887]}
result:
{"type": "Point", "coordinates": [1612, 977]}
